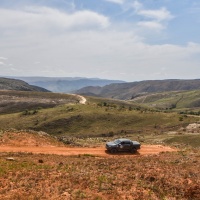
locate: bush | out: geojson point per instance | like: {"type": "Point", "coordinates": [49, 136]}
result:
{"type": "Point", "coordinates": [29, 112]}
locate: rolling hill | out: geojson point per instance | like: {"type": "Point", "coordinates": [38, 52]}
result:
{"type": "Point", "coordinates": [15, 84]}
{"type": "Point", "coordinates": [170, 100]}
{"type": "Point", "coordinates": [12, 101]}
{"type": "Point", "coordinates": [128, 91]}
{"type": "Point", "coordinates": [62, 114]}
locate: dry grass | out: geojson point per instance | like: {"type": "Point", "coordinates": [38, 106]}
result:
{"type": "Point", "coordinates": [25, 138]}
{"type": "Point", "coordinates": [27, 176]}
{"type": "Point", "coordinates": [19, 101]}
{"type": "Point", "coordinates": [164, 176]}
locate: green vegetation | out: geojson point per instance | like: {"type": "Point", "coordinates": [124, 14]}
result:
{"type": "Point", "coordinates": [20, 101]}
{"type": "Point", "coordinates": [92, 120]}
{"type": "Point", "coordinates": [175, 100]}
{"type": "Point", "coordinates": [99, 117]}
{"type": "Point", "coordinates": [189, 140]}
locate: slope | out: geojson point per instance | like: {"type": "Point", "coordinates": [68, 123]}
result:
{"type": "Point", "coordinates": [186, 100]}
{"type": "Point", "coordinates": [127, 91]}
{"type": "Point", "coordinates": [14, 84]}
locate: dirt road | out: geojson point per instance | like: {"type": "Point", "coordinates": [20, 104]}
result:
{"type": "Point", "coordinates": [99, 151]}
{"type": "Point", "coordinates": [82, 100]}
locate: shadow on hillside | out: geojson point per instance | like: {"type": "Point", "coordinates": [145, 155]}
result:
{"type": "Point", "coordinates": [122, 153]}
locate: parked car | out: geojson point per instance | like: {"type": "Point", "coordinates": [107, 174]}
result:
{"type": "Point", "coordinates": [122, 144]}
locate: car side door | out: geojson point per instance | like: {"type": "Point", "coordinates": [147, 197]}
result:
{"type": "Point", "coordinates": [121, 146]}
{"type": "Point", "coordinates": [127, 145]}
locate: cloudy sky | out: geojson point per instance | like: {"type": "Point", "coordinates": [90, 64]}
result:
{"type": "Point", "coordinates": [127, 40]}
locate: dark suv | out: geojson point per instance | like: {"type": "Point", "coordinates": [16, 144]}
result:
{"type": "Point", "coordinates": [122, 145]}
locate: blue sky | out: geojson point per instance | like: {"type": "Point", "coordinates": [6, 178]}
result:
{"type": "Point", "coordinates": [130, 40]}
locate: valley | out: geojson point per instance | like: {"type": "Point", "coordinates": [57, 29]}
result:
{"type": "Point", "coordinates": [52, 146]}
{"type": "Point", "coordinates": [99, 100]}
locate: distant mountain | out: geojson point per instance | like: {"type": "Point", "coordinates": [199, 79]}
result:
{"type": "Point", "coordinates": [66, 84]}
{"type": "Point", "coordinates": [14, 84]}
{"type": "Point", "coordinates": [132, 90]}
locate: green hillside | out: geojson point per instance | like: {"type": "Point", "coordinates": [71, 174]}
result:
{"type": "Point", "coordinates": [20, 101]}
{"type": "Point", "coordinates": [99, 117]}
{"type": "Point", "coordinates": [176, 100]}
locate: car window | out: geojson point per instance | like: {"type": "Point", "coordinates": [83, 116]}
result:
{"type": "Point", "coordinates": [117, 141]}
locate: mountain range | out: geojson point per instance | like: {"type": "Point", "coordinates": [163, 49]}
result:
{"type": "Point", "coordinates": [66, 84]}
{"type": "Point", "coordinates": [128, 91]}
{"type": "Point", "coordinates": [120, 90]}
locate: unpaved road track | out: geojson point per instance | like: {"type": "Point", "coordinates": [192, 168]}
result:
{"type": "Point", "coordinates": [98, 151]}
{"type": "Point", "coordinates": [82, 100]}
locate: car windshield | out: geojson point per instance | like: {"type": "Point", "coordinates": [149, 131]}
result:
{"type": "Point", "coordinates": [117, 141]}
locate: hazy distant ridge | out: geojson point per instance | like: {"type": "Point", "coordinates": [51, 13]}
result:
{"type": "Point", "coordinates": [66, 84]}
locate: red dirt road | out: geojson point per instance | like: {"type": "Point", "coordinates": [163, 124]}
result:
{"type": "Point", "coordinates": [98, 151]}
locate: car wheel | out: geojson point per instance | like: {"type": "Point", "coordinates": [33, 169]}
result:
{"type": "Point", "coordinates": [133, 150]}
{"type": "Point", "coordinates": [113, 151]}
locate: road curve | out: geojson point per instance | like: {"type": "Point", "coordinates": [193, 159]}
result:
{"type": "Point", "coordinates": [82, 99]}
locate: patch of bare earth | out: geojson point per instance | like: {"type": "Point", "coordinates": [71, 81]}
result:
{"type": "Point", "coordinates": [91, 173]}
{"type": "Point", "coordinates": [28, 139]}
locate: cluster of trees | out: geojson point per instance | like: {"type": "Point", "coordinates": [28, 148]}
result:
{"type": "Point", "coordinates": [30, 112]}
{"type": "Point", "coordinates": [190, 113]}
{"type": "Point", "coordinates": [124, 107]}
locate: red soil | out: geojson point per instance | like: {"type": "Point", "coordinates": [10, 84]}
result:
{"type": "Point", "coordinates": [99, 151]}
{"type": "Point", "coordinates": [40, 143]}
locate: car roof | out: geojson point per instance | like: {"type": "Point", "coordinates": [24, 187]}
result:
{"type": "Point", "coordinates": [123, 139]}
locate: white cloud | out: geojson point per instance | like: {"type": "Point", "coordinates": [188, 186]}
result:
{"type": "Point", "coordinates": [158, 15]}
{"type": "Point", "coordinates": [3, 58]}
{"type": "Point", "coordinates": [106, 54]}
{"type": "Point", "coordinates": [151, 25]}
{"type": "Point", "coordinates": [88, 19]}
{"type": "Point", "coordinates": [153, 19]}
{"type": "Point", "coordinates": [43, 17]}
{"type": "Point", "coordinates": [116, 1]}
{"type": "Point", "coordinates": [137, 5]}
{"type": "Point", "coordinates": [41, 41]}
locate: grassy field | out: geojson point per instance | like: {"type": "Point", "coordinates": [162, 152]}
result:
{"type": "Point", "coordinates": [187, 140]}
